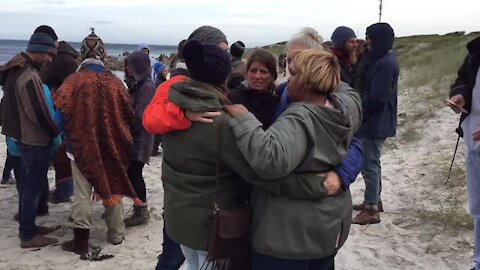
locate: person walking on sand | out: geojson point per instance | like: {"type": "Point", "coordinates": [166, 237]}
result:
{"type": "Point", "coordinates": [379, 102]}
{"type": "Point", "coordinates": [465, 93]}
{"type": "Point", "coordinates": [97, 113]}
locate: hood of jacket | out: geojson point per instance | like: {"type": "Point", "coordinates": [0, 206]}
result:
{"type": "Point", "coordinates": [340, 121]}
{"type": "Point", "coordinates": [18, 61]}
{"type": "Point", "coordinates": [139, 62]}
{"type": "Point", "coordinates": [196, 96]}
{"type": "Point", "coordinates": [65, 48]}
{"type": "Point", "coordinates": [381, 36]}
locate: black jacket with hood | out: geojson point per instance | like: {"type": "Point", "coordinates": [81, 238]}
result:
{"type": "Point", "coordinates": [465, 81]}
{"type": "Point", "coordinates": [64, 64]}
{"type": "Point", "coordinates": [142, 93]}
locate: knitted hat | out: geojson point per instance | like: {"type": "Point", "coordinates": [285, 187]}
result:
{"type": "Point", "coordinates": [93, 47]}
{"type": "Point", "coordinates": [159, 67]}
{"type": "Point", "coordinates": [41, 43]}
{"type": "Point", "coordinates": [208, 34]}
{"type": "Point", "coordinates": [341, 35]}
{"type": "Point", "coordinates": [46, 30]}
{"type": "Point", "coordinates": [237, 49]}
{"type": "Point", "coordinates": [206, 62]}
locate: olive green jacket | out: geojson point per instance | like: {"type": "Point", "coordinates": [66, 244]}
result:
{"type": "Point", "coordinates": [189, 170]}
{"type": "Point", "coordinates": [305, 138]}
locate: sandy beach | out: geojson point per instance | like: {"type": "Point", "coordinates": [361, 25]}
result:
{"type": "Point", "coordinates": [413, 180]}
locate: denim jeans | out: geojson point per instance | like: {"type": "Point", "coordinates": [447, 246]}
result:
{"type": "Point", "coordinates": [34, 184]}
{"type": "Point", "coordinates": [172, 257]}
{"type": "Point", "coordinates": [7, 168]}
{"type": "Point", "coordinates": [372, 169]}
{"type": "Point", "coordinates": [266, 262]}
{"type": "Point", "coordinates": [196, 259]}
{"type": "Point", "coordinates": [473, 189]}
{"type": "Point", "coordinates": [63, 189]}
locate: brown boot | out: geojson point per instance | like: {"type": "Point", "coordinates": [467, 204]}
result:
{"type": "Point", "coordinates": [38, 241]}
{"type": "Point", "coordinates": [140, 216]}
{"type": "Point", "coordinates": [367, 216]}
{"type": "Point", "coordinates": [360, 207]}
{"type": "Point", "coordinates": [79, 244]}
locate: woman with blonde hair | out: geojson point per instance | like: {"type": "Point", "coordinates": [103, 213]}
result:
{"type": "Point", "coordinates": [312, 135]}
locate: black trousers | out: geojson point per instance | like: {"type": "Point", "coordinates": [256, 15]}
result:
{"type": "Point", "coordinates": [135, 173]}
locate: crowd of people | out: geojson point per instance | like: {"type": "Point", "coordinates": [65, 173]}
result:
{"type": "Point", "coordinates": [245, 160]}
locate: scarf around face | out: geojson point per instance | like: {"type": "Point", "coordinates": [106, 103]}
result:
{"type": "Point", "coordinates": [98, 113]}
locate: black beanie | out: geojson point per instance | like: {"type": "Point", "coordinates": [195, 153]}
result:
{"type": "Point", "coordinates": [206, 62]}
{"type": "Point", "coordinates": [46, 30]}
{"type": "Point", "coordinates": [237, 49]}
{"type": "Point", "coordinates": [208, 34]}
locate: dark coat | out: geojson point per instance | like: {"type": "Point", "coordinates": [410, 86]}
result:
{"type": "Point", "coordinates": [262, 104]}
{"type": "Point", "coordinates": [64, 64]}
{"type": "Point", "coordinates": [142, 93]}
{"type": "Point", "coordinates": [465, 81]}
{"type": "Point", "coordinates": [379, 98]}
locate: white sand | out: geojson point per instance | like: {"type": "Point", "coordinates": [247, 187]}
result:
{"type": "Point", "coordinates": [400, 241]}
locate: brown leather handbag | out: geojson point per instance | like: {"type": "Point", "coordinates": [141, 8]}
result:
{"type": "Point", "coordinates": [230, 244]}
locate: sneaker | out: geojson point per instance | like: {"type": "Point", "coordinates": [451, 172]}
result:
{"type": "Point", "coordinates": [367, 216]}
{"type": "Point", "coordinates": [38, 241]}
{"type": "Point", "coordinates": [360, 207]}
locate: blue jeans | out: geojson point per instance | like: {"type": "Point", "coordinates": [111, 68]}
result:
{"type": "Point", "coordinates": [7, 168]}
{"type": "Point", "coordinates": [34, 186]}
{"type": "Point", "coordinates": [266, 262]}
{"type": "Point", "coordinates": [172, 257]}
{"type": "Point", "coordinates": [64, 189]}
{"type": "Point", "coordinates": [473, 189]}
{"type": "Point", "coordinates": [372, 170]}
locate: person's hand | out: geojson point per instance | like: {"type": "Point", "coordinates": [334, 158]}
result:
{"type": "Point", "coordinates": [476, 136]}
{"type": "Point", "coordinates": [332, 183]}
{"type": "Point", "coordinates": [202, 117]}
{"type": "Point", "coordinates": [459, 100]}
{"type": "Point", "coordinates": [236, 109]}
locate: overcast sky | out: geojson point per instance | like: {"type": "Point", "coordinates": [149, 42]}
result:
{"type": "Point", "coordinates": [256, 22]}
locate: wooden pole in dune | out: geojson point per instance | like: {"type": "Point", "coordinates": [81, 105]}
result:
{"type": "Point", "coordinates": [380, 14]}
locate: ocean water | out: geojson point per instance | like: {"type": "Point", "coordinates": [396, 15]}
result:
{"type": "Point", "coordinates": [9, 48]}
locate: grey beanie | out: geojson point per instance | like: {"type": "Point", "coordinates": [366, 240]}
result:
{"type": "Point", "coordinates": [208, 35]}
{"type": "Point", "coordinates": [41, 43]}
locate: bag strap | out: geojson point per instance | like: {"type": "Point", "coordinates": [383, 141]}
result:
{"type": "Point", "coordinates": [218, 169]}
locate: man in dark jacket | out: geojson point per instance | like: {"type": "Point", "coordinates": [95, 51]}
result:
{"type": "Point", "coordinates": [237, 76]}
{"type": "Point", "coordinates": [137, 66]}
{"type": "Point", "coordinates": [27, 120]}
{"type": "Point", "coordinates": [344, 44]}
{"type": "Point", "coordinates": [465, 98]}
{"type": "Point", "coordinates": [64, 64]}
{"type": "Point", "coordinates": [379, 102]}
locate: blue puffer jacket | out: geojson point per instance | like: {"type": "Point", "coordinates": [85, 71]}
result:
{"type": "Point", "coordinates": [379, 98]}
{"type": "Point", "coordinates": [12, 146]}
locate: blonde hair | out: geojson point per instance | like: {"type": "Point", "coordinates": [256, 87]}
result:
{"type": "Point", "coordinates": [318, 71]}
{"type": "Point", "coordinates": [308, 37]}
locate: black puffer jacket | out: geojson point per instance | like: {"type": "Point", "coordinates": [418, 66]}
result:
{"type": "Point", "coordinates": [465, 81]}
{"type": "Point", "coordinates": [262, 104]}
